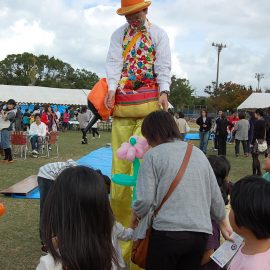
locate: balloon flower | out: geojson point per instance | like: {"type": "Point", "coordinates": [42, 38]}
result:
{"type": "Point", "coordinates": [132, 151]}
{"type": "Point", "coordinates": [2, 209]}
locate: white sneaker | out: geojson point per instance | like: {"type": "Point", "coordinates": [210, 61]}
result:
{"type": "Point", "coordinates": [35, 152]}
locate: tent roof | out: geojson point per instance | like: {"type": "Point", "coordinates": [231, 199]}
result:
{"type": "Point", "coordinates": [256, 100]}
{"type": "Point", "coordinates": [37, 94]}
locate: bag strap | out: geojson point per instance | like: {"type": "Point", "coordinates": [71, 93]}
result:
{"type": "Point", "coordinates": [131, 44]}
{"type": "Point", "coordinates": [178, 177]}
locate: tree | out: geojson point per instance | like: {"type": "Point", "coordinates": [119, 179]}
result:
{"type": "Point", "coordinates": [42, 70]}
{"type": "Point", "coordinates": [181, 93]}
{"type": "Point", "coordinates": [228, 95]}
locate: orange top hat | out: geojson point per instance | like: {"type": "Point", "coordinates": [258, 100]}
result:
{"type": "Point", "coordinates": [132, 6]}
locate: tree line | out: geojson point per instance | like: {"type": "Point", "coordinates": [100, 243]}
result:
{"type": "Point", "coordinates": [42, 70]}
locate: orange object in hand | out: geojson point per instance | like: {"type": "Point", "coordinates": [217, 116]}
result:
{"type": "Point", "coordinates": [97, 96]}
{"type": "Point", "coordinates": [2, 209]}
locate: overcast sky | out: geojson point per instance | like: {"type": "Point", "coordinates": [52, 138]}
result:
{"type": "Point", "coordinates": [78, 32]}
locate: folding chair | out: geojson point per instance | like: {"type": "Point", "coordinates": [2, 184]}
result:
{"type": "Point", "coordinates": [19, 143]}
{"type": "Point", "coordinates": [51, 141]}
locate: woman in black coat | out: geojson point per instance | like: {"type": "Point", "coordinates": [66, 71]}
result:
{"type": "Point", "coordinates": [205, 124]}
{"type": "Point", "coordinates": [222, 133]}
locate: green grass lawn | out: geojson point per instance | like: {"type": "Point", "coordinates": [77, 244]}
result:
{"type": "Point", "coordinates": [19, 239]}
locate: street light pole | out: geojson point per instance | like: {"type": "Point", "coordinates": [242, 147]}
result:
{"type": "Point", "coordinates": [219, 47]}
{"type": "Point", "coordinates": [259, 76]}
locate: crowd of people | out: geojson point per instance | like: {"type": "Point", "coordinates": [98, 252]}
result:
{"type": "Point", "coordinates": [185, 232]}
{"type": "Point", "coordinates": [39, 123]}
{"type": "Point", "coordinates": [252, 131]}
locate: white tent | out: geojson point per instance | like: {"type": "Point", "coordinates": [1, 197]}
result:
{"type": "Point", "coordinates": [37, 94]}
{"type": "Point", "coordinates": [256, 101]}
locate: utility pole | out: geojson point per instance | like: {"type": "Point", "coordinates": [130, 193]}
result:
{"type": "Point", "coordinates": [219, 47]}
{"type": "Point", "coordinates": [259, 76]}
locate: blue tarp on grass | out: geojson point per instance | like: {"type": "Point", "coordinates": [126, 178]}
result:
{"type": "Point", "coordinates": [99, 159]}
{"type": "Point", "coordinates": [195, 136]}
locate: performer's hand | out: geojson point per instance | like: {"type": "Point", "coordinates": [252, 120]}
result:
{"type": "Point", "coordinates": [109, 100]}
{"type": "Point", "coordinates": [163, 101]}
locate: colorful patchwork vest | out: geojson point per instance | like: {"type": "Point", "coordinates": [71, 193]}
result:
{"type": "Point", "coordinates": [137, 93]}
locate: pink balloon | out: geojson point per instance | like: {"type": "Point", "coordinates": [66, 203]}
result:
{"type": "Point", "coordinates": [139, 150]}
{"type": "Point", "coordinates": [131, 153]}
{"type": "Point", "coordinates": [143, 141]}
{"type": "Point", "coordinates": [122, 151]}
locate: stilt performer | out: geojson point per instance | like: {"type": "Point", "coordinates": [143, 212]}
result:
{"type": "Point", "coordinates": [138, 76]}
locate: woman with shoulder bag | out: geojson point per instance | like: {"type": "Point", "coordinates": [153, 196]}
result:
{"type": "Point", "coordinates": [180, 226]}
{"type": "Point", "coordinates": [258, 144]}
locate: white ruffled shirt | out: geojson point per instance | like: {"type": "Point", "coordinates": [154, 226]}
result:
{"type": "Point", "coordinates": [162, 65]}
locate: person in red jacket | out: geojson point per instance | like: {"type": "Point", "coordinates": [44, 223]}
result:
{"type": "Point", "coordinates": [44, 116]}
{"type": "Point", "coordinates": [233, 119]}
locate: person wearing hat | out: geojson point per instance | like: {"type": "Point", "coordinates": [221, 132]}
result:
{"type": "Point", "coordinates": [138, 76]}
{"type": "Point", "coordinates": [8, 116]}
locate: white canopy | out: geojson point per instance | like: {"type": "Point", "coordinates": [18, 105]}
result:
{"type": "Point", "coordinates": [37, 94]}
{"type": "Point", "coordinates": [256, 101]}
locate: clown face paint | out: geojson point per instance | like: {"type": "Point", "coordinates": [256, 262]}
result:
{"type": "Point", "coordinates": [137, 20]}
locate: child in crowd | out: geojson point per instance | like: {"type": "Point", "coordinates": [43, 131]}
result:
{"type": "Point", "coordinates": [78, 224]}
{"type": "Point", "coordinates": [46, 177]}
{"type": "Point", "coordinates": [266, 167]}
{"type": "Point", "coordinates": [250, 218]}
{"type": "Point", "coordinates": [221, 167]}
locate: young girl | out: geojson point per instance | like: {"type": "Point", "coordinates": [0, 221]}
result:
{"type": "Point", "coordinates": [221, 167]}
{"type": "Point", "coordinates": [78, 225]}
{"type": "Point", "coordinates": [250, 218]}
{"type": "Point", "coordinates": [266, 167]}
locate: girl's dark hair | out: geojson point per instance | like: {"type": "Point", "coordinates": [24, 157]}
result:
{"type": "Point", "coordinates": [250, 200]}
{"type": "Point", "coordinates": [66, 110]}
{"type": "Point", "coordinates": [221, 167]}
{"type": "Point", "coordinates": [11, 102]}
{"type": "Point", "coordinates": [84, 109]}
{"type": "Point", "coordinates": [37, 115]}
{"type": "Point", "coordinates": [204, 110]}
{"type": "Point", "coordinates": [77, 212]}
{"type": "Point", "coordinates": [181, 115]}
{"type": "Point", "coordinates": [259, 112]}
{"type": "Point", "coordinates": [46, 107]}
{"type": "Point", "coordinates": [160, 127]}
{"type": "Point", "coordinates": [242, 115]}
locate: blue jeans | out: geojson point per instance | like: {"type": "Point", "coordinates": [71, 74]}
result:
{"type": "Point", "coordinates": [204, 137]}
{"type": "Point", "coordinates": [35, 142]}
{"type": "Point", "coordinates": [4, 140]}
